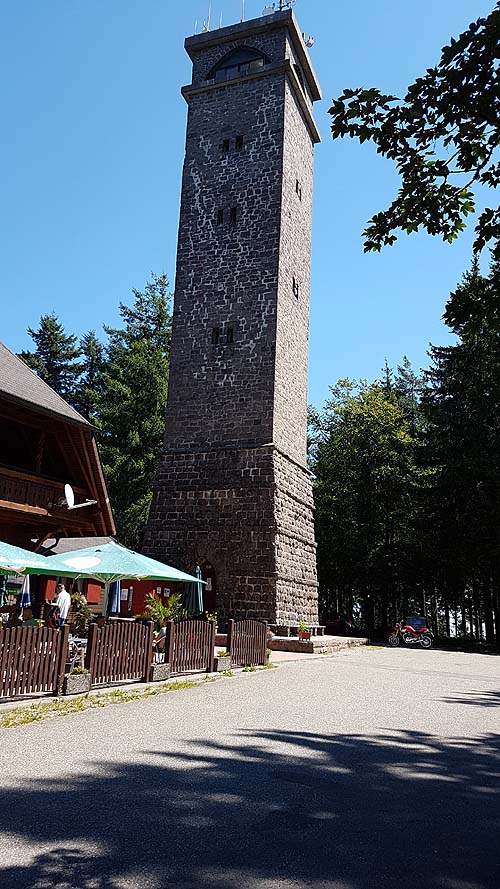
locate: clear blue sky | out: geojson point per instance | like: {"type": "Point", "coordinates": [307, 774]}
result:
{"type": "Point", "coordinates": [91, 153]}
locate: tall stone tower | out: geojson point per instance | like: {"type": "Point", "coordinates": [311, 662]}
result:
{"type": "Point", "coordinates": [233, 492]}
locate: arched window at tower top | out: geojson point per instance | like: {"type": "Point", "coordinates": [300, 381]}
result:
{"type": "Point", "coordinates": [243, 60]}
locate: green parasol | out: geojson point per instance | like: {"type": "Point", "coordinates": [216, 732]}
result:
{"type": "Point", "coordinates": [109, 562]}
{"type": "Point", "coordinates": [16, 560]}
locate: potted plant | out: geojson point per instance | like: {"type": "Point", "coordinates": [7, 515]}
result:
{"type": "Point", "coordinates": [304, 632]}
{"type": "Point", "coordinates": [77, 682]}
{"type": "Point", "coordinates": [267, 657]}
{"type": "Point", "coordinates": [222, 661]}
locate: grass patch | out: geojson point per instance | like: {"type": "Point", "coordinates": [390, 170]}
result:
{"type": "Point", "coordinates": [61, 707]}
{"type": "Point", "coordinates": [374, 647]}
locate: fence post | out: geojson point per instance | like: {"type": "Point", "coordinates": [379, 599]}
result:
{"type": "Point", "coordinates": [148, 653]}
{"type": "Point", "coordinates": [61, 660]}
{"type": "Point", "coordinates": [230, 633]}
{"type": "Point", "coordinates": [91, 650]}
{"type": "Point", "coordinates": [169, 644]}
{"type": "Point", "coordinates": [265, 642]}
{"type": "Point", "coordinates": [211, 660]}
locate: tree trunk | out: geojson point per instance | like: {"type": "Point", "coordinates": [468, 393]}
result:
{"type": "Point", "coordinates": [447, 617]}
{"type": "Point", "coordinates": [488, 612]}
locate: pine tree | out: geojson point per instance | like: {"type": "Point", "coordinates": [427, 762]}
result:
{"type": "Point", "coordinates": [462, 404]}
{"type": "Point", "coordinates": [88, 393]}
{"type": "Point", "coordinates": [133, 405]}
{"type": "Point", "coordinates": [54, 359]}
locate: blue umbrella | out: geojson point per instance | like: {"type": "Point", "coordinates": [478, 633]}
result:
{"type": "Point", "coordinates": [25, 600]}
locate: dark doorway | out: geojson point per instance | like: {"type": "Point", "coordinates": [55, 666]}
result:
{"type": "Point", "coordinates": [210, 587]}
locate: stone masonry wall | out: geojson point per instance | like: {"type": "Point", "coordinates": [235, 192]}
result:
{"type": "Point", "coordinates": [219, 506]}
{"type": "Point", "coordinates": [232, 487]}
{"type": "Point", "coordinates": [296, 588]}
{"type": "Point", "coordinates": [222, 393]}
{"type": "Point", "coordinates": [292, 335]}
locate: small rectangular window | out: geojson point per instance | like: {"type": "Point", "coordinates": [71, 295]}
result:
{"type": "Point", "coordinates": [239, 143]}
{"type": "Point", "coordinates": [220, 217]}
{"type": "Point", "coordinates": [298, 189]}
{"type": "Point", "coordinates": [215, 336]}
{"type": "Point", "coordinates": [229, 335]}
{"type": "Point", "coordinates": [225, 145]}
{"type": "Point", "coordinates": [295, 287]}
{"type": "Point", "coordinates": [233, 214]}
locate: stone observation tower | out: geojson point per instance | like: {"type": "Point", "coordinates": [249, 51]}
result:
{"type": "Point", "coordinates": [232, 491]}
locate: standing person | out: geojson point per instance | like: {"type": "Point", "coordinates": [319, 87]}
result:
{"type": "Point", "coordinates": [63, 602]}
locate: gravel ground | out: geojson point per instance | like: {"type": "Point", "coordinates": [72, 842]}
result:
{"type": "Point", "coordinates": [373, 768]}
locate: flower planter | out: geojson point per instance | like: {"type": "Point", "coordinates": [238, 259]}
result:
{"type": "Point", "coordinates": [160, 672]}
{"type": "Point", "coordinates": [76, 683]}
{"type": "Point", "coordinates": [222, 664]}
{"type": "Point", "coordinates": [304, 636]}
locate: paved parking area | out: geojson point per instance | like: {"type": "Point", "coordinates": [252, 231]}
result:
{"type": "Point", "coordinates": [371, 768]}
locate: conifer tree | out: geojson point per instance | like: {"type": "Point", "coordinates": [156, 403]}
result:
{"type": "Point", "coordinates": [54, 359]}
{"type": "Point", "coordinates": [88, 393]}
{"type": "Point", "coordinates": [133, 405]}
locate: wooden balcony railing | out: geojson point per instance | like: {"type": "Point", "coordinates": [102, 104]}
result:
{"type": "Point", "coordinates": [28, 490]}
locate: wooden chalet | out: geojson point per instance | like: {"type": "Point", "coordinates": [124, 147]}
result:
{"type": "Point", "coordinates": [44, 444]}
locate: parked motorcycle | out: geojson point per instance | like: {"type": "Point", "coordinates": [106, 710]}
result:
{"type": "Point", "coordinates": [414, 631]}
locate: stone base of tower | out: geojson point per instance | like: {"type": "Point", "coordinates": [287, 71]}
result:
{"type": "Point", "coordinates": [253, 524]}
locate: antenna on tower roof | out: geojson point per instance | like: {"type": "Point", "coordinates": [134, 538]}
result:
{"type": "Point", "coordinates": [206, 22]}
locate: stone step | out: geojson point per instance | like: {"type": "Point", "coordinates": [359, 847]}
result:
{"type": "Point", "coordinates": [315, 645]}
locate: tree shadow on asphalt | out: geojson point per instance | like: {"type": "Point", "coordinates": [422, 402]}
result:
{"type": "Point", "coordinates": [489, 698]}
{"type": "Point", "coordinates": [268, 809]}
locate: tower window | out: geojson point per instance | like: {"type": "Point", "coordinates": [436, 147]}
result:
{"type": "Point", "coordinates": [233, 214]}
{"type": "Point", "coordinates": [229, 335]}
{"type": "Point", "coordinates": [295, 287]}
{"type": "Point", "coordinates": [225, 146]}
{"type": "Point", "coordinates": [215, 336]}
{"type": "Point", "coordinates": [298, 189]}
{"type": "Point", "coordinates": [220, 217]}
{"type": "Point", "coordinates": [239, 143]}
{"type": "Point", "coordinates": [237, 63]}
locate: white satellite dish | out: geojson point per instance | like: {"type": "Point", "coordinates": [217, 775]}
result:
{"type": "Point", "coordinates": [69, 496]}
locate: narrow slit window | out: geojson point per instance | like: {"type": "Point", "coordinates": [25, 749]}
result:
{"type": "Point", "coordinates": [220, 217]}
{"type": "Point", "coordinates": [298, 189]}
{"type": "Point", "coordinates": [233, 214]}
{"type": "Point", "coordinates": [225, 146]}
{"type": "Point", "coordinates": [215, 336]}
{"type": "Point", "coordinates": [229, 335]}
{"type": "Point", "coordinates": [239, 143]}
{"type": "Point", "coordinates": [295, 288]}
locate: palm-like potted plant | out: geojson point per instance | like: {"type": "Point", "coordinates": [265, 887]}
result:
{"type": "Point", "coordinates": [304, 632]}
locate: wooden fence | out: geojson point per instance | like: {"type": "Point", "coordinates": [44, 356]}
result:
{"type": "Point", "coordinates": [190, 646]}
{"type": "Point", "coordinates": [119, 651]}
{"type": "Point", "coordinates": [247, 642]}
{"type": "Point", "coordinates": [32, 659]}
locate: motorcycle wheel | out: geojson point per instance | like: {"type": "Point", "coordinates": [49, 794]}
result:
{"type": "Point", "coordinates": [426, 641]}
{"type": "Point", "coordinates": [394, 640]}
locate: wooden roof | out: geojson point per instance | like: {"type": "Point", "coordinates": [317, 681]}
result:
{"type": "Point", "coordinates": [20, 384]}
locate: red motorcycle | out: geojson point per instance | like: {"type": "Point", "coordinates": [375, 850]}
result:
{"type": "Point", "coordinates": [414, 631]}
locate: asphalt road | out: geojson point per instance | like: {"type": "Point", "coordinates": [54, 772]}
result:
{"type": "Point", "coordinates": [366, 769]}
